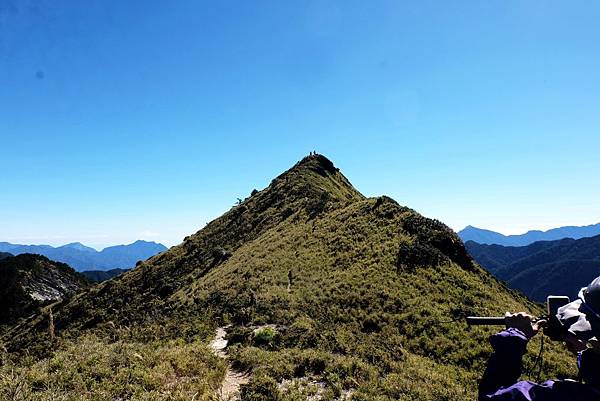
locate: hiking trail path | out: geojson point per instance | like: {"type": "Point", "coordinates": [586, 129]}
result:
{"type": "Point", "coordinates": [230, 388]}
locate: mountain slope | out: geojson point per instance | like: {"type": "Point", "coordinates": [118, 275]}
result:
{"type": "Point", "coordinates": [488, 237]}
{"type": "Point", "coordinates": [542, 268]}
{"type": "Point", "coordinates": [28, 281]}
{"type": "Point", "coordinates": [81, 257]}
{"type": "Point", "coordinates": [4, 255]}
{"type": "Point", "coordinates": [362, 295]}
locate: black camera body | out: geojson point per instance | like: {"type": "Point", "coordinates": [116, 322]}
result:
{"type": "Point", "coordinates": [554, 329]}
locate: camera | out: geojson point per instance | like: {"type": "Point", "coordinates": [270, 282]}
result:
{"type": "Point", "coordinates": [553, 328]}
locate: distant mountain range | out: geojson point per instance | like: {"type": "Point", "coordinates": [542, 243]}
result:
{"type": "Point", "coordinates": [543, 268]}
{"type": "Point", "coordinates": [482, 236]}
{"type": "Point", "coordinates": [82, 257]}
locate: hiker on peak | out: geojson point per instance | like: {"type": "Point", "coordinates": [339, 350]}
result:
{"type": "Point", "coordinates": [580, 324]}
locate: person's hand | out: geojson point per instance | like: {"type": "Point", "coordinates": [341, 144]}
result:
{"type": "Point", "coordinates": [574, 344]}
{"type": "Point", "coordinates": [524, 322]}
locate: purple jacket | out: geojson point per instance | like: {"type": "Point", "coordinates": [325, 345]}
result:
{"type": "Point", "coordinates": [500, 380]}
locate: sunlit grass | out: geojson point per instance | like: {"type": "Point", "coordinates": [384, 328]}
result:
{"type": "Point", "coordinates": [94, 369]}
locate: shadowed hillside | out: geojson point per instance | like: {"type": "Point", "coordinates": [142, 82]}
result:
{"type": "Point", "coordinates": [361, 295]}
{"type": "Point", "coordinates": [543, 268]}
{"type": "Point", "coordinates": [97, 276]}
{"type": "Point", "coordinates": [29, 281]}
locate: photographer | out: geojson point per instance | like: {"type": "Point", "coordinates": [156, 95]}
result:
{"type": "Point", "coordinates": [579, 323]}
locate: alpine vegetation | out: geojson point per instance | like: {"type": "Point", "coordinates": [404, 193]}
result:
{"type": "Point", "coordinates": [322, 293]}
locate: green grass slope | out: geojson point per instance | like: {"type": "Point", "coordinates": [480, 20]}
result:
{"type": "Point", "coordinates": [364, 299]}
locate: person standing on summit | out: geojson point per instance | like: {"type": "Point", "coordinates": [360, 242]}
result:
{"type": "Point", "coordinates": [580, 324]}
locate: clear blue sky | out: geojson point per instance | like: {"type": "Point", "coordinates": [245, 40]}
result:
{"type": "Point", "coordinates": [122, 120]}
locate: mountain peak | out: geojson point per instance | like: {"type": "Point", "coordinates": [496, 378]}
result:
{"type": "Point", "coordinates": [79, 246]}
{"type": "Point", "coordinates": [308, 189]}
{"type": "Point", "coordinates": [141, 241]}
{"type": "Point", "coordinates": [313, 177]}
{"type": "Point", "coordinates": [317, 163]}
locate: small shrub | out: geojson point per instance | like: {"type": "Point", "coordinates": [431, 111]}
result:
{"type": "Point", "coordinates": [265, 336]}
{"type": "Point", "coordinates": [260, 388]}
{"type": "Point", "coordinates": [412, 255]}
{"type": "Point", "coordinates": [302, 333]}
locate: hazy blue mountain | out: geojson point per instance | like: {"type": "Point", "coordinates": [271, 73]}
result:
{"type": "Point", "coordinates": [543, 268]}
{"type": "Point", "coordinates": [81, 257]}
{"type": "Point", "coordinates": [482, 236]}
{"type": "Point", "coordinates": [8, 247]}
{"type": "Point", "coordinates": [97, 276]}
{"type": "Point", "coordinates": [125, 256]}
{"type": "Point", "coordinates": [79, 246]}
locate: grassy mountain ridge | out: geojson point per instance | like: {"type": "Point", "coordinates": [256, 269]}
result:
{"type": "Point", "coordinates": [142, 295]}
{"type": "Point", "coordinates": [365, 296]}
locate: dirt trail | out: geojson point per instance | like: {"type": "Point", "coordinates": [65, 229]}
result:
{"type": "Point", "coordinates": [230, 388]}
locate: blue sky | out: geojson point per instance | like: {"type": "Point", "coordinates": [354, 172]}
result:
{"type": "Point", "coordinates": [146, 119]}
